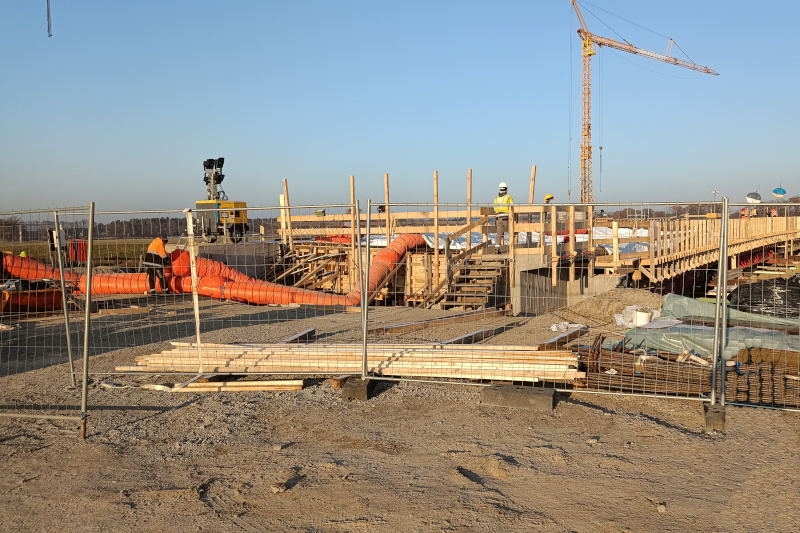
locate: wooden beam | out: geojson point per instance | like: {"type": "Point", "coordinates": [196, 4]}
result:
{"type": "Point", "coordinates": [469, 316]}
{"type": "Point", "coordinates": [436, 224]}
{"type": "Point", "coordinates": [240, 386]}
{"type": "Point", "coordinates": [563, 338]}
{"type": "Point", "coordinates": [472, 338]}
{"type": "Point", "coordinates": [303, 336]}
{"type": "Point", "coordinates": [387, 218]}
{"type": "Point", "coordinates": [288, 214]}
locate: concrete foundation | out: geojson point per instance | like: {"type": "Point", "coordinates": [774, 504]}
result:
{"type": "Point", "coordinates": [358, 389]}
{"type": "Point", "coordinates": [714, 417]}
{"type": "Point", "coordinates": [501, 395]}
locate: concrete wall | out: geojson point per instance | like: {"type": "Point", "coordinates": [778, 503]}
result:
{"type": "Point", "coordinates": [535, 294]}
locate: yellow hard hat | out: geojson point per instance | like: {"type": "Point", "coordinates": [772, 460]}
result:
{"type": "Point", "coordinates": [548, 196]}
{"type": "Point", "coordinates": [23, 254]}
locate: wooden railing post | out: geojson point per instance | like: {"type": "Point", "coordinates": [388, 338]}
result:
{"type": "Point", "coordinates": [553, 246]}
{"type": "Point", "coordinates": [288, 215]}
{"type": "Point", "coordinates": [571, 247]}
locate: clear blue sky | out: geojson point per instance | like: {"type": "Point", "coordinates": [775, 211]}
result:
{"type": "Point", "coordinates": [126, 100]}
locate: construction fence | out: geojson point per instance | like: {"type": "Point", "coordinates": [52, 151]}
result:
{"type": "Point", "coordinates": [618, 299]}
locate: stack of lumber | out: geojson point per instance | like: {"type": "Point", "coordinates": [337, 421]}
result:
{"type": "Point", "coordinates": [763, 383]}
{"type": "Point", "coordinates": [429, 361]}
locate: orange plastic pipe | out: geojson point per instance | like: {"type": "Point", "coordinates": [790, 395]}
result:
{"type": "Point", "coordinates": [27, 268]}
{"type": "Point", "coordinates": [217, 280]}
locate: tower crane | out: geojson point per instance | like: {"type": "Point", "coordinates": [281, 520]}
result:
{"type": "Point", "coordinates": [587, 51]}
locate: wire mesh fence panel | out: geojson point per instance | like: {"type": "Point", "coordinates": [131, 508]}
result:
{"type": "Point", "coordinates": [622, 288]}
{"type": "Point", "coordinates": [271, 299]}
{"type": "Point", "coordinates": [762, 344]}
{"type": "Point", "coordinates": [443, 308]}
{"type": "Point", "coordinates": [136, 304]}
{"type": "Point", "coordinates": [41, 322]}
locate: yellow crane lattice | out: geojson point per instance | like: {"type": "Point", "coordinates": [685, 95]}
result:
{"type": "Point", "coordinates": [588, 40]}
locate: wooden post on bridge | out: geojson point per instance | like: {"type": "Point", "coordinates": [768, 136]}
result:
{"type": "Point", "coordinates": [387, 218]}
{"type": "Point", "coordinates": [436, 226]}
{"type": "Point", "coordinates": [553, 244]}
{"type": "Point", "coordinates": [571, 246]}
{"type": "Point", "coordinates": [469, 200]}
{"type": "Point", "coordinates": [354, 280]}
{"type": "Point", "coordinates": [590, 242]}
{"type": "Point", "coordinates": [530, 201]}
{"type": "Point", "coordinates": [288, 214]}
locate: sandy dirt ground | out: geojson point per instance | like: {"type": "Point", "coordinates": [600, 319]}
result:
{"type": "Point", "coordinates": [415, 457]}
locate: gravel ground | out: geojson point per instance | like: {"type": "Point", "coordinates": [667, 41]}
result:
{"type": "Point", "coordinates": [415, 457]}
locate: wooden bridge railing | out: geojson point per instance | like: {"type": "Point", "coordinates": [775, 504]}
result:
{"type": "Point", "coordinates": [673, 246]}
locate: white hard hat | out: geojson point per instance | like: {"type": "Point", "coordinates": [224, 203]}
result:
{"type": "Point", "coordinates": [503, 185]}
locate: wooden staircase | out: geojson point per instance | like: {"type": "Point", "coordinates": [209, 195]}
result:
{"type": "Point", "coordinates": [477, 283]}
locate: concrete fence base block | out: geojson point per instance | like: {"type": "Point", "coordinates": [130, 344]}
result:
{"type": "Point", "coordinates": [358, 389]}
{"type": "Point", "coordinates": [714, 417]}
{"type": "Point", "coordinates": [501, 395]}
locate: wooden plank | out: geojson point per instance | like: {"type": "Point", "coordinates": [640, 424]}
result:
{"type": "Point", "coordinates": [303, 336]}
{"type": "Point", "coordinates": [468, 316]}
{"type": "Point", "coordinates": [471, 338]}
{"type": "Point", "coordinates": [563, 338]}
{"type": "Point", "coordinates": [125, 311]}
{"type": "Point", "coordinates": [238, 386]}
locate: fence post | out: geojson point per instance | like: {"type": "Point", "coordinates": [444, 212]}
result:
{"type": "Point", "coordinates": [363, 276]}
{"type": "Point", "coordinates": [87, 321]}
{"type": "Point", "coordinates": [57, 243]}
{"type": "Point", "coordinates": [720, 313]}
{"type": "Point", "coordinates": [724, 317]}
{"type": "Point", "coordinates": [195, 295]}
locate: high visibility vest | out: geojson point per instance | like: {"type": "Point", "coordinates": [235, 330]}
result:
{"type": "Point", "coordinates": [157, 247]}
{"type": "Point", "coordinates": [754, 212]}
{"type": "Point", "coordinates": [501, 203]}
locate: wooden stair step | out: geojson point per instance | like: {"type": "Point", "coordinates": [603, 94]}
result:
{"type": "Point", "coordinates": [464, 297]}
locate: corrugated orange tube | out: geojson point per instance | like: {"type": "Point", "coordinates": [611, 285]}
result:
{"type": "Point", "coordinates": [27, 268]}
{"type": "Point", "coordinates": [217, 280]}
{"type": "Point", "coordinates": [181, 266]}
{"type": "Point", "coordinates": [104, 284]}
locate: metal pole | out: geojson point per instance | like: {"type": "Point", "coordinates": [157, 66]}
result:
{"type": "Point", "coordinates": [720, 310]}
{"type": "Point", "coordinates": [57, 242]}
{"type": "Point", "coordinates": [723, 341]}
{"type": "Point", "coordinates": [195, 295]}
{"type": "Point", "coordinates": [87, 321]}
{"type": "Point", "coordinates": [364, 277]}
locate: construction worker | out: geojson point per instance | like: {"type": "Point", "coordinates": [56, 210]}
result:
{"type": "Point", "coordinates": [154, 262]}
{"type": "Point", "coordinates": [548, 198]}
{"type": "Point", "coordinates": [754, 212]}
{"type": "Point", "coordinates": [773, 212]}
{"type": "Point", "coordinates": [744, 212]}
{"type": "Point", "coordinates": [501, 204]}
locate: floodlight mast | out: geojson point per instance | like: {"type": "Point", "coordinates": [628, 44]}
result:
{"type": "Point", "coordinates": [212, 177]}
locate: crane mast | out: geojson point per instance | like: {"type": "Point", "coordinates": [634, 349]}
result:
{"type": "Point", "coordinates": [588, 41]}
